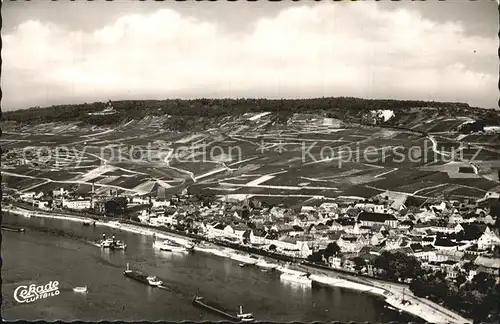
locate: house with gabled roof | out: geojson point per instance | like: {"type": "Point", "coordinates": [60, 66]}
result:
{"type": "Point", "coordinates": [492, 265]}
{"type": "Point", "coordinates": [352, 243]}
{"type": "Point", "coordinates": [370, 219]}
{"type": "Point", "coordinates": [488, 240]}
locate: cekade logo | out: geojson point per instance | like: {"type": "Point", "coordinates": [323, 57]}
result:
{"type": "Point", "coordinates": [28, 294]}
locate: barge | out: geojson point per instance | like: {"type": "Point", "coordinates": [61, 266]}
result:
{"type": "Point", "coordinates": [237, 317]}
{"type": "Point", "coordinates": [12, 229]}
{"type": "Point", "coordinates": [152, 281]}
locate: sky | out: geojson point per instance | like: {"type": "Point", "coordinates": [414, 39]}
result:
{"type": "Point", "coordinates": [74, 52]}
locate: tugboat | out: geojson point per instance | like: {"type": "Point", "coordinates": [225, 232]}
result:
{"type": "Point", "coordinates": [238, 317]}
{"type": "Point", "coordinates": [152, 281]}
{"type": "Point", "coordinates": [245, 317]}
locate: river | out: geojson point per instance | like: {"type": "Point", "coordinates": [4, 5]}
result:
{"type": "Point", "coordinates": [53, 249]}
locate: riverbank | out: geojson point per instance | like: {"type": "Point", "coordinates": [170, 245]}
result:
{"type": "Point", "coordinates": [396, 295]}
{"type": "Point", "coordinates": [392, 293]}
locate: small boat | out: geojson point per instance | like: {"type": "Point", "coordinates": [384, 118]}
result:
{"type": "Point", "coordinates": [80, 289]}
{"type": "Point", "coordinates": [242, 265]}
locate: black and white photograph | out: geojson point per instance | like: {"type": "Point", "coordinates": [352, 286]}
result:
{"type": "Point", "coordinates": [250, 161]}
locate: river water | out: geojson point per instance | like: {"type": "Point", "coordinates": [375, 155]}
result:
{"type": "Point", "coordinates": [43, 254]}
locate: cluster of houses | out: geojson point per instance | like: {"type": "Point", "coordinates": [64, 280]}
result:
{"type": "Point", "coordinates": [443, 235]}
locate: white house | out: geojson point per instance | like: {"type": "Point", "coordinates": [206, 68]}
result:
{"type": "Point", "coordinates": [488, 240]}
{"type": "Point", "coordinates": [307, 209]}
{"type": "Point", "coordinates": [440, 207]}
{"type": "Point", "coordinates": [59, 192]}
{"type": "Point", "coordinates": [371, 207]}
{"type": "Point", "coordinates": [30, 196]}
{"type": "Point", "coordinates": [77, 204]}
{"type": "Point", "coordinates": [160, 203]}
{"type": "Point", "coordinates": [43, 205]}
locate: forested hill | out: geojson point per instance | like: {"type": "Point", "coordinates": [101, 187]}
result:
{"type": "Point", "coordinates": [345, 108]}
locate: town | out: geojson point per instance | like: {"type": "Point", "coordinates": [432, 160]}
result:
{"type": "Point", "coordinates": [380, 237]}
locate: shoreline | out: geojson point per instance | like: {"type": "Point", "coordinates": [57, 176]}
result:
{"type": "Point", "coordinates": [392, 294]}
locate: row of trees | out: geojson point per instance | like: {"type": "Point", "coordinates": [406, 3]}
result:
{"type": "Point", "coordinates": [478, 299]}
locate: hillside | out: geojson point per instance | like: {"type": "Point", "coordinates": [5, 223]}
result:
{"type": "Point", "coordinates": [338, 107]}
{"type": "Point", "coordinates": [281, 156]}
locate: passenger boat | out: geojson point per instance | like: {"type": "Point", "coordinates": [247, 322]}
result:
{"type": "Point", "coordinates": [114, 224]}
{"type": "Point", "coordinates": [261, 263]}
{"type": "Point", "coordinates": [145, 279]}
{"type": "Point", "coordinates": [111, 243]}
{"type": "Point", "coordinates": [238, 317]}
{"type": "Point", "coordinates": [89, 223]}
{"type": "Point", "coordinates": [247, 259]}
{"type": "Point", "coordinates": [80, 289]}
{"type": "Point", "coordinates": [301, 279]}
{"type": "Point", "coordinates": [168, 246]}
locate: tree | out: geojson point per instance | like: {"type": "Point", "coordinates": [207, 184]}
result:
{"type": "Point", "coordinates": [332, 249]}
{"type": "Point", "coordinates": [460, 279]}
{"type": "Point", "coordinates": [359, 263]}
{"type": "Point", "coordinates": [316, 257]}
{"type": "Point", "coordinates": [272, 247]}
{"type": "Point", "coordinates": [112, 208]}
{"type": "Point", "coordinates": [482, 282]}
{"type": "Point", "coordinates": [245, 213]}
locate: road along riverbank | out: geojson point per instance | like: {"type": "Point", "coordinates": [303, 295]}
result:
{"type": "Point", "coordinates": [395, 295]}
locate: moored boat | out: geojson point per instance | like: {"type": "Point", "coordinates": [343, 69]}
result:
{"type": "Point", "coordinates": [301, 279]}
{"type": "Point", "coordinates": [89, 223]}
{"type": "Point", "coordinates": [168, 246]}
{"type": "Point", "coordinates": [247, 259]}
{"type": "Point", "coordinates": [261, 263]}
{"type": "Point", "coordinates": [324, 280]}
